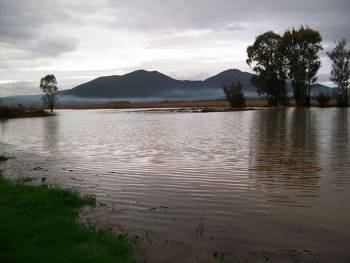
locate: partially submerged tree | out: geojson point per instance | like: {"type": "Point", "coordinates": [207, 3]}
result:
{"type": "Point", "coordinates": [340, 73]}
{"type": "Point", "coordinates": [323, 99]}
{"type": "Point", "coordinates": [234, 94]}
{"type": "Point", "coordinates": [266, 60]}
{"type": "Point", "coordinates": [300, 50]}
{"type": "Point", "coordinates": [48, 85]}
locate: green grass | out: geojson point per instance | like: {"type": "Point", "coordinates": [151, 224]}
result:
{"type": "Point", "coordinates": [39, 224]}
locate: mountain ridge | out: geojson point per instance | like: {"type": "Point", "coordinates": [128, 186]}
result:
{"type": "Point", "coordinates": [154, 84]}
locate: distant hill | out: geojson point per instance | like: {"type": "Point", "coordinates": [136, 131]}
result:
{"type": "Point", "coordinates": [228, 76]}
{"type": "Point", "coordinates": [153, 84]}
{"type": "Point", "coordinates": [317, 88]}
{"type": "Point", "coordinates": [139, 83]}
{"type": "Point", "coordinates": [142, 85]}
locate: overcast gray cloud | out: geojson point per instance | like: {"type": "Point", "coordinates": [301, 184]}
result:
{"type": "Point", "coordinates": [79, 40]}
{"type": "Point", "coordinates": [20, 87]}
{"type": "Point", "coordinates": [54, 46]}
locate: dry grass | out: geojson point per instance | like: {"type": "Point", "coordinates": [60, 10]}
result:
{"type": "Point", "coordinates": [182, 104]}
{"type": "Point", "coordinates": [165, 104]}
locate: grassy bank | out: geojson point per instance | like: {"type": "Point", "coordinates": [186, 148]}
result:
{"type": "Point", "coordinates": [21, 112]}
{"type": "Point", "coordinates": [39, 224]}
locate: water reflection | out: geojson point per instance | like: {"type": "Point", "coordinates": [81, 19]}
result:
{"type": "Point", "coordinates": [338, 154]}
{"type": "Point", "coordinates": [3, 126]}
{"type": "Point", "coordinates": [50, 134]}
{"type": "Point", "coordinates": [255, 175]}
{"type": "Point", "coordinates": [284, 154]}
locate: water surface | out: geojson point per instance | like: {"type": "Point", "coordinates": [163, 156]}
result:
{"type": "Point", "coordinates": [269, 183]}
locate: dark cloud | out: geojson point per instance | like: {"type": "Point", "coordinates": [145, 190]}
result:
{"type": "Point", "coordinates": [21, 19]}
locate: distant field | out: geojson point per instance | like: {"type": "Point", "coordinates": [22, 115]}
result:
{"type": "Point", "coordinates": [180, 104]}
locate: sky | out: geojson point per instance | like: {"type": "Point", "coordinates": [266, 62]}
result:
{"type": "Point", "coordinates": [79, 40]}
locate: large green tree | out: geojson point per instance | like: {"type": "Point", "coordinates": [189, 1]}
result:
{"type": "Point", "coordinates": [266, 60]}
{"type": "Point", "coordinates": [300, 49]}
{"type": "Point", "coordinates": [340, 73]}
{"type": "Point", "coordinates": [48, 85]}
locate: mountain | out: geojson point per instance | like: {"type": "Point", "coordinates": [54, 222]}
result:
{"type": "Point", "coordinates": [142, 85]}
{"type": "Point", "coordinates": [139, 83]}
{"type": "Point", "coordinates": [317, 88]}
{"type": "Point", "coordinates": [228, 76]}
{"type": "Point", "coordinates": [153, 84]}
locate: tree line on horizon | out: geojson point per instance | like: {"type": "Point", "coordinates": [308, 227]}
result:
{"type": "Point", "coordinates": [292, 60]}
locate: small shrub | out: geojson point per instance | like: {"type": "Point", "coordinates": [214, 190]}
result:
{"type": "Point", "coordinates": [234, 94]}
{"type": "Point", "coordinates": [3, 158]}
{"type": "Point", "coordinates": [323, 99]}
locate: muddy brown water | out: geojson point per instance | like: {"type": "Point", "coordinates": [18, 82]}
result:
{"type": "Point", "coordinates": [271, 185]}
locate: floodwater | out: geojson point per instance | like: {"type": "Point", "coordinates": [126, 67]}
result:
{"type": "Point", "coordinates": [235, 186]}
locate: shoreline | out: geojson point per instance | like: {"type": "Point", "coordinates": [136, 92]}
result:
{"type": "Point", "coordinates": [22, 112]}
{"type": "Point", "coordinates": [195, 104]}
{"type": "Point", "coordinates": [41, 223]}
{"type": "Point", "coordinates": [201, 110]}
{"type": "Point", "coordinates": [158, 247]}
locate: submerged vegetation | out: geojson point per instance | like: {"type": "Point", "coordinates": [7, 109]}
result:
{"type": "Point", "coordinates": [3, 158]}
{"type": "Point", "coordinates": [20, 111]}
{"type": "Point", "coordinates": [323, 99]}
{"type": "Point", "coordinates": [39, 224]}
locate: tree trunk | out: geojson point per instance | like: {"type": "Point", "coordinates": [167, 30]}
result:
{"type": "Point", "coordinates": [346, 97]}
{"type": "Point", "coordinates": [295, 95]}
{"type": "Point", "coordinates": [298, 98]}
{"type": "Point", "coordinates": [308, 99]}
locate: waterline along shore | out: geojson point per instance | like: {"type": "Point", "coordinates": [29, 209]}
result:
{"type": "Point", "coordinates": [211, 104]}
{"type": "Point", "coordinates": [40, 224]}
{"type": "Point", "coordinates": [22, 112]}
